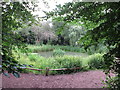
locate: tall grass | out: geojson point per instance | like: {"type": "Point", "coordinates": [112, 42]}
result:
{"type": "Point", "coordinates": [42, 48]}
{"type": "Point", "coordinates": [45, 48]}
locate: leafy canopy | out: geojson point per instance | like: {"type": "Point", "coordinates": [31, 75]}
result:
{"type": "Point", "coordinates": [14, 15]}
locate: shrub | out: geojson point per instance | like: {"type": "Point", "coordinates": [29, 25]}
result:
{"type": "Point", "coordinates": [113, 82]}
{"type": "Point", "coordinates": [68, 61]}
{"type": "Point", "coordinates": [58, 52]}
{"type": "Point", "coordinates": [32, 57]}
{"type": "Point", "coordinates": [96, 61]}
{"type": "Point", "coordinates": [65, 62]}
{"type": "Point", "coordinates": [97, 49]}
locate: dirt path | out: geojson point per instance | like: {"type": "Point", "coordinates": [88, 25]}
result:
{"type": "Point", "coordinates": [89, 79]}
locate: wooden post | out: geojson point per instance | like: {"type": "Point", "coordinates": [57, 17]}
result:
{"type": "Point", "coordinates": [47, 71]}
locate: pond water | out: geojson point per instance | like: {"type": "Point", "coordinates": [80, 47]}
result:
{"type": "Point", "coordinates": [49, 54]}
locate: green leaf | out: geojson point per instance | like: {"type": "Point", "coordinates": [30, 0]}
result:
{"type": "Point", "coordinates": [6, 74]}
{"type": "Point", "coordinates": [16, 74]}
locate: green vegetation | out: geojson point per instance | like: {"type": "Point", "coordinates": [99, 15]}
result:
{"type": "Point", "coordinates": [44, 48]}
{"type": "Point", "coordinates": [83, 27]}
{"type": "Point", "coordinates": [112, 82]}
{"type": "Point", "coordinates": [96, 61]}
{"type": "Point", "coordinates": [14, 16]}
{"type": "Point", "coordinates": [59, 60]}
{"type": "Point", "coordinates": [58, 52]}
{"type": "Point", "coordinates": [40, 48]}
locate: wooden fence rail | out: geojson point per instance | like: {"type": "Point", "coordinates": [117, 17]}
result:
{"type": "Point", "coordinates": [47, 69]}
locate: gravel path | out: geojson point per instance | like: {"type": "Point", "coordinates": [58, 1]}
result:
{"type": "Point", "coordinates": [89, 79]}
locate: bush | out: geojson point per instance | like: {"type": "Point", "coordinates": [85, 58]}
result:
{"type": "Point", "coordinates": [97, 49]}
{"type": "Point", "coordinates": [113, 83]}
{"type": "Point", "coordinates": [65, 62]}
{"type": "Point", "coordinates": [32, 57]}
{"type": "Point", "coordinates": [96, 61]}
{"type": "Point", "coordinates": [68, 61]}
{"type": "Point", "coordinates": [58, 52]}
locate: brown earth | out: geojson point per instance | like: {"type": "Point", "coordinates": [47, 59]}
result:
{"type": "Point", "coordinates": [88, 79]}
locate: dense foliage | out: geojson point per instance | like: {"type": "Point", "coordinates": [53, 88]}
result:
{"type": "Point", "coordinates": [102, 22]}
{"type": "Point", "coordinates": [40, 33]}
{"type": "Point", "coordinates": [14, 15]}
{"type": "Point", "coordinates": [28, 38]}
{"type": "Point", "coordinates": [68, 34]}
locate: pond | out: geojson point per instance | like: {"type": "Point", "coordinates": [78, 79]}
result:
{"type": "Point", "coordinates": [49, 54]}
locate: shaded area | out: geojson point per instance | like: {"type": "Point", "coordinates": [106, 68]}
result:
{"type": "Point", "coordinates": [89, 79]}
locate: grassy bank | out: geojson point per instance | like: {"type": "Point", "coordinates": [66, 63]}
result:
{"type": "Point", "coordinates": [44, 48]}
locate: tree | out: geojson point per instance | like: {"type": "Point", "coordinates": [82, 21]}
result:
{"type": "Point", "coordinates": [40, 33]}
{"type": "Point", "coordinates": [68, 34]}
{"type": "Point", "coordinates": [44, 34]}
{"type": "Point", "coordinates": [103, 26]}
{"type": "Point", "coordinates": [14, 15]}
